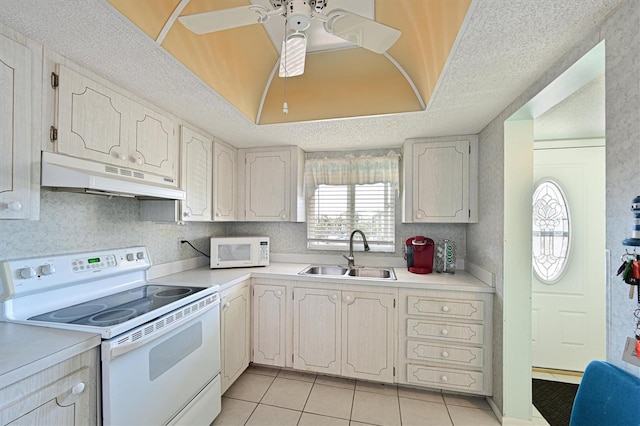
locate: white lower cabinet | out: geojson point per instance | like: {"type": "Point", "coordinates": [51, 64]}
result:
{"type": "Point", "coordinates": [64, 394]}
{"type": "Point", "coordinates": [445, 340]}
{"type": "Point", "coordinates": [269, 324]}
{"type": "Point", "coordinates": [235, 332]}
{"type": "Point", "coordinates": [344, 332]}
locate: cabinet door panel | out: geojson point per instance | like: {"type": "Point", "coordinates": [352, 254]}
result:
{"type": "Point", "coordinates": [196, 176]}
{"type": "Point", "coordinates": [268, 186]}
{"type": "Point", "coordinates": [91, 120]}
{"type": "Point", "coordinates": [443, 353]}
{"type": "Point", "coordinates": [225, 184]}
{"type": "Point", "coordinates": [15, 129]}
{"type": "Point", "coordinates": [368, 336]}
{"type": "Point", "coordinates": [442, 378]}
{"type": "Point", "coordinates": [316, 330]}
{"type": "Point", "coordinates": [153, 147]}
{"type": "Point", "coordinates": [269, 340]}
{"type": "Point", "coordinates": [441, 181]}
{"type": "Point", "coordinates": [235, 335]}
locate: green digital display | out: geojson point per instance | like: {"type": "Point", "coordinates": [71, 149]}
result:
{"type": "Point", "coordinates": [94, 260]}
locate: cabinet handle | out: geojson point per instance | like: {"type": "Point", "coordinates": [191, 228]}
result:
{"type": "Point", "coordinates": [77, 389]}
{"type": "Point", "coordinates": [121, 156]}
{"type": "Point", "coordinates": [334, 297]}
{"type": "Point", "coordinates": [217, 214]}
{"type": "Point", "coordinates": [226, 305]}
{"type": "Point", "coordinates": [283, 216]}
{"type": "Point", "coordinates": [445, 308]}
{"type": "Point", "coordinates": [14, 206]}
{"type": "Point", "coordinates": [444, 379]}
{"type": "Point", "coordinates": [444, 332]}
{"type": "Point", "coordinates": [418, 215]}
{"type": "Point", "coordinates": [138, 159]}
{"type": "Point", "coordinates": [186, 214]}
{"type": "Point", "coordinates": [279, 292]}
{"type": "Point", "coordinates": [348, 299]}
{"type": "Point", "coordinates": [445, 354]}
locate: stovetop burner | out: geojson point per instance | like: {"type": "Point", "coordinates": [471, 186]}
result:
{"type": "Point", "coordinates": [118, 307]}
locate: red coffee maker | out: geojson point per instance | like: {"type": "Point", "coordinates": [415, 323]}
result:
{"type": "Point", "coordinates": [419, 254]}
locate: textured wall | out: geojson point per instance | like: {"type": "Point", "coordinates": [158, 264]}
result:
{"type": "Point", "coordinates": [485, 240]}
{"type": "Point", "coordinates": [80, 222]}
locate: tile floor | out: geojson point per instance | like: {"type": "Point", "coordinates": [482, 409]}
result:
{"type": "Point", "coordinates": [267, 396]}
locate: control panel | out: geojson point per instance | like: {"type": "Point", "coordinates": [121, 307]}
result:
{"type": "Point", "coordinates": [44, 273]}
{"type": "Point", "coordinates": [264, 251]}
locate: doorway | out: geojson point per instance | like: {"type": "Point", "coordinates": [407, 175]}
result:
{"type": "Point", "coordinates": [517, 253]}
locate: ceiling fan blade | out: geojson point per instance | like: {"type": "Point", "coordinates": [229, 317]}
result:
{"type": "Point", "coordinates": [293, 54]}
{"type": "Point", "coordinates": [224, 19]}
{"type": "Point", "coordinates": [362, 31]}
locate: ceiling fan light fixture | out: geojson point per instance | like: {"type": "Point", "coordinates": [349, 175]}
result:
{"type": "Point", "coordinates": [298, 14]}
{"type": "Point", "coordinates": [293, 54]}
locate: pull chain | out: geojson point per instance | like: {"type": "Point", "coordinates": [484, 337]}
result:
{"type": "Point", "coordinates": [285, 106]}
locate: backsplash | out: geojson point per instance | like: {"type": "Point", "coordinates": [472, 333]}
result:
{"type": "Point", "coordinates": [72, 222]}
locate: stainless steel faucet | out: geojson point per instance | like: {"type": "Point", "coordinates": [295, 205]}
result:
{"type": "Point", "coordinates": [366, 247]}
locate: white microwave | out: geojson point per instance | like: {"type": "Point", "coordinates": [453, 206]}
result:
{"type": "Point", "coordinates": [239, 252]}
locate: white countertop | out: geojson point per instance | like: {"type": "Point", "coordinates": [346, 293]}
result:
{"type": "Point", "coordinates": [206, 277]}
{"type": "Point", "coordinates": [26, 349]}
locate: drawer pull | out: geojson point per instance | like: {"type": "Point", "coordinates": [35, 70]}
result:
{"type": "Point", "coordinates": [444, 332]}
{"type": "Point", "coordinates": [445, 308]}
{"type": "Point", "coordinates": [444, 378]}
{"type": "Point", "coordinates": [77, 389]}
{"type": "Point", "coordinates": [279, 293]}
{"type": "Point", "coordinates": [445, 354]}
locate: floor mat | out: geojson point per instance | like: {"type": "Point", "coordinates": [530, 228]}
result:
{"type": "Point", "coordinates": [554, 400]}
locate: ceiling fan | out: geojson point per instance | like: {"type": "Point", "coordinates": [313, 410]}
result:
{"type": "Point", "coordinates": [298, 14]}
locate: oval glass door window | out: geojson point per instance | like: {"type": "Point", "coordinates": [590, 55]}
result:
{"type": "Point", "coordinates": [551, 232]}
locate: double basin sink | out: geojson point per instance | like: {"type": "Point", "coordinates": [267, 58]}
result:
{"type": "Point", "coordinates": [354, 272]}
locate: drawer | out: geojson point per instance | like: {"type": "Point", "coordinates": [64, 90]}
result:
{"type": "Point", "coordinates": [450, 308]}
{"type": "Point", "coordinates": [444, 378]}
{"type": "Point", "coordinates": [451, 332]}
{"type": "Point", "coordinates": [459, 355]}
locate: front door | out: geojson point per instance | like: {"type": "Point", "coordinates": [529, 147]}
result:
{"type": "Point", "coordinates": [568, 316]}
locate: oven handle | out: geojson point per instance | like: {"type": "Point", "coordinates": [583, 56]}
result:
{"type": "Point", "coordinates": [109, 353]}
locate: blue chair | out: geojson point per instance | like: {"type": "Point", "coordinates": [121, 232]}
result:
{"type": "Point", "coordinates": [607, 396]}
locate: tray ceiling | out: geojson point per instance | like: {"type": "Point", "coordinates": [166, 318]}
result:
{"type": "Point", "coordinates": [338, 81]}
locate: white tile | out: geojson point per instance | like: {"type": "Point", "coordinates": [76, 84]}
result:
{"type": "Point", "coordinates": [266, 415]}
{"type": "Point", "coordinates": [234, 412]}
{"type": "Point", "coordinates": [287, 393]}
{"type": "Point", "coordinates": [340, 382]}
{"type": "Point", "coordinates": [375, 408]}
{"type": "Point", "coordinates": [265, 371]}
{"type": "Point", "coordinates": [414, 412]}
{"type": "Point", "coordinates": [383, 388]}
{"type": "Point", "coordinates": [249, 387]}
{"type": "Point", "coordinates": [330, 401]}
{"type": "Point", "coordinates": [466, 416]}
{"type": "Point", "coordinates": [297, 375]}
{"type": "Point", "coordinates": [466, 401]}
{"type": "Point", "coordinates": [423, 395]}
{"type": "Point", "coordinates": [309, 419]}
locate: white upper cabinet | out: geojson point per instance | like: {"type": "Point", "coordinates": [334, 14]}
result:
{"type": "Point", "coordinates": [271, 184]}
{"type": "Point", "coordinates": [15, 130]}
{"type": "Point", "coordinates": [97, 122]}
{"type": "Point", "coordinates": [225, 182]}
{"type": "Point", "coordinates": [441, 180]}
{"type": "Point", "coordinates": [196, 176]}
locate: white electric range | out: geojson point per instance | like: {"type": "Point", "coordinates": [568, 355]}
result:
{"type": "Point", "coordinates": [160, 353]}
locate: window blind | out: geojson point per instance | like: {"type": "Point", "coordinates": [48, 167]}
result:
{"type": "Point", "coordinates": [334, 211]}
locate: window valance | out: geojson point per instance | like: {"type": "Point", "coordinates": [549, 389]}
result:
{"type": "Point", "coordinates": [350, 170]}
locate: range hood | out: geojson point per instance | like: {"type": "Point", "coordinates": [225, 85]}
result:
{"type": "Point", "coordinates": [78, 175]}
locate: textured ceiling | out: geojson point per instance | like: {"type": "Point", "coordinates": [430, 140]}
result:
{"type": "Point", "coordinates": [503, 47]}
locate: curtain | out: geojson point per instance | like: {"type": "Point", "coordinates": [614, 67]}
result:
{"type": "Point", "coordinates": [352, 170]}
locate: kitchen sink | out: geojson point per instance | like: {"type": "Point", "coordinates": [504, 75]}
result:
{"type": "Point", "coordinates": [324, 270]}
{"type": "Point", "coordinates": [372, 273]}
{"type": "Point", "coordinates": [356, 272]}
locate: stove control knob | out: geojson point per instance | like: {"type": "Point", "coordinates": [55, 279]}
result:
{"type": "Point", "coordinates": [28, 272]}
{"type": "Point", "coordinates": [130, 257]}
{"type": "Point", "coordinates": [47, 269]}
{"type": "Point", "coordinates": [140, 255]}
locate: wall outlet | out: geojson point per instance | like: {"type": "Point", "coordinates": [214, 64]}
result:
{"type": "Point", "coordinates": [629, 354]}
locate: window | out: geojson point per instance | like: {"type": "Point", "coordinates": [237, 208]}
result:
{"type": "Point", "coordinates": [336, 210]}
{"type": "Point", "coordinates": [348, 193]}
{"type": "Point", "coordinates": [551, 232]}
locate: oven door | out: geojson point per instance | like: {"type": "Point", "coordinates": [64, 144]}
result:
{"type": "Point", "coordinates": [170, 373]}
